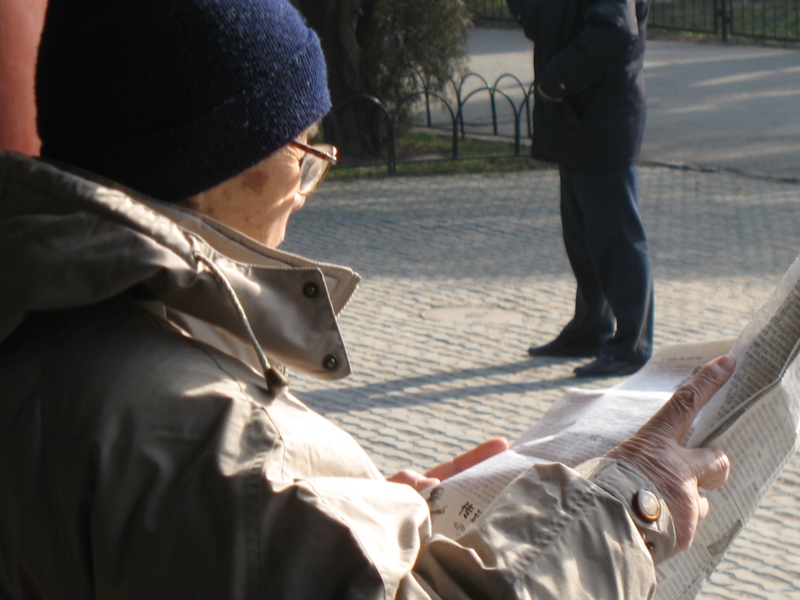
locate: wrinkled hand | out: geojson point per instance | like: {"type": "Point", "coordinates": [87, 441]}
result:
{"type": "Point", "coordinates": [678, 472]}
{"type": "Point", "coordinates": [460, 463]}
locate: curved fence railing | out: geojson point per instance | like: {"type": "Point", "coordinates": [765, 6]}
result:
{"type": "Point", "coordinates": [499, 109]}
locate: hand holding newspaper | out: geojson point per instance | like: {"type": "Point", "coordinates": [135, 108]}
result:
{"type": "Point", "coordinates": [753, 418]}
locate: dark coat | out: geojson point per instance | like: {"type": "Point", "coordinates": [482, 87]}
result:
{"type": "Point", "coordinates": [588, 57]}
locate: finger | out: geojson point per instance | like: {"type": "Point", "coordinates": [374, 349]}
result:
{"type": "Point", "coordinates": [423, 483]}
{"type": "Point", "coordinates": [469, 458]}
{"type": "Point", "coordinates": [703, 507]}
{"type": "Point", "coordinates": [679, 412]}
{"type": "Point", "coordinates": [711, 466]}
{"type": "Point", "coordinates": [406, 477]}
{"type": "Point", "coordinates": [413, 479]}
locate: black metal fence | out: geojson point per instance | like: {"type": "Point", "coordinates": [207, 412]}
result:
{"type": "Point", "coordinates": [767, 20]}
{"type": "Point", "coordinates": [501, 108]}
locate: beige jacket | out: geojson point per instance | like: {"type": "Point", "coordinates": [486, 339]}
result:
{"type": "Point", "coordinates": [148, 450]}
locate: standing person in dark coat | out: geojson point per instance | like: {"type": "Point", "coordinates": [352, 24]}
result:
{"type": "Point", "coordinates": [588, 116]}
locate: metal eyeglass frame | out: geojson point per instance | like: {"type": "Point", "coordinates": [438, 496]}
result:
{"type": "Point", "coordinates": [314, 165]}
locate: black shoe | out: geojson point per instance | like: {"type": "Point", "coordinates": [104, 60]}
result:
{"type": "Point", "coordinates": [560, 348]}
{"type": "Point", "coordinates": [607, 366]}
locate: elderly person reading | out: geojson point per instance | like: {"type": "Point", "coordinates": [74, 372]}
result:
{"type": "Point", "coordinates": [151, 446]}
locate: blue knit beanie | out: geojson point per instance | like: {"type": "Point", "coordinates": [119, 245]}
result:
{"type": "Point", "coordinates": [172, 97]}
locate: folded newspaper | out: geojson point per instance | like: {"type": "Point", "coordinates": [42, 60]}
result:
{"type": "Point", "coordinates": [754, 418]}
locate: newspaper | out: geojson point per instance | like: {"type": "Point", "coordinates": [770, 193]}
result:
{"type": "Point", "coordinates": [754, 418]}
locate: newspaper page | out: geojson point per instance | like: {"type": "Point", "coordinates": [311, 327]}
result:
{"type": "Point", "coordinates": [754, 418]}
{"type": "Point", "coordinates": [581, 425]}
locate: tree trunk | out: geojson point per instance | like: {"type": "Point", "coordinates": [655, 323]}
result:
{"type": "Point", "coordinates": [354, 125]}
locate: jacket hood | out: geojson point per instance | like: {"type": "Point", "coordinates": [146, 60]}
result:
{"type": "Point", "coordinates": [68, 241]}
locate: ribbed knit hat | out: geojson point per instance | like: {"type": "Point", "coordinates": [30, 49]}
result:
{"type": "Point", "coordinates": [172, 97]}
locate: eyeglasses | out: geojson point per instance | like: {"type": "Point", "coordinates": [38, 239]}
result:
{"type": "Point", "coordinates": [314, 165]}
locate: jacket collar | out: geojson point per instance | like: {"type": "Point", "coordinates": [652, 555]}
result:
{"type": "Point", "coordinates": [68, 240]}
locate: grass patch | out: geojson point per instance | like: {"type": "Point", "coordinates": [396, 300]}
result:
{"type": "Point", "coordinates": [429, 153]}
{"type": "Point", "coordinates": [422, 144]}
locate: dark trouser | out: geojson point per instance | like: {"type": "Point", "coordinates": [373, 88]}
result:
{"type": "Point", "coordinates": [607, 247]}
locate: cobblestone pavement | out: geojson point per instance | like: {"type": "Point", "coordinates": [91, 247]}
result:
{"type": "Point", "coordinates": [461, 274]}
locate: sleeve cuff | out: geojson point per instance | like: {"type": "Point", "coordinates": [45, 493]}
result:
{"type": "Point", "coordinates": [641, 499]}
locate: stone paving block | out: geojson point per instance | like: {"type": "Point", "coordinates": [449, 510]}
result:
{"type": "Point", "coordinates": [462, 274]}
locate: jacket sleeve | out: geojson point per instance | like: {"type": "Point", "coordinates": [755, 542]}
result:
{"type": "Point", "coordinates": [610, 29]}
{"type": "Point", "coordinates": [552, 534]}
{"type": "Point", "coordinates": [217, 525]}
{"type": "Point", "coordinates": [222, 493]}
